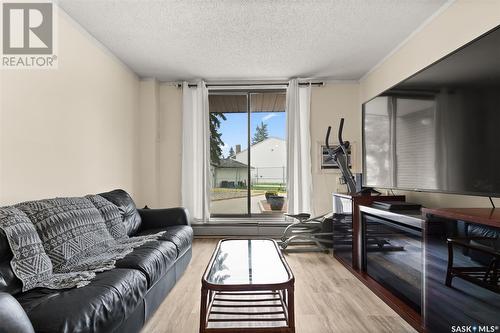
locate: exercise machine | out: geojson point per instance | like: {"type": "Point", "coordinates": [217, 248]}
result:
{"type": "Point", "coordinates": [340, 155]}
{"type": "Point", "coordinates": [317, 232]}
{"type": "Point", "coordinates": [314, 234]}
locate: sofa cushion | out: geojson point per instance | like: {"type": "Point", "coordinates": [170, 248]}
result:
{"type": "Point", "coordinates": [12, 316]}
{"type": "Point", "coordinates": [100, 306]}
{"type": "Point", "coordinates": [72, 230]}
{"type": "Point", "coordinates": [111, 215]}
{"type": "Point", "coordinates": [153, 259]}
{"type": "Point", "coordinates": [180, 235]}
{"type": "Point", "coordinates": [126, 205]}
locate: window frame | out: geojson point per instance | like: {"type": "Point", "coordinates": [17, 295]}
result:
{"type": "Point", "coordinates": [246, 91]}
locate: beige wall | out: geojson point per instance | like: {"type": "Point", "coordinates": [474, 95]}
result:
{"type": "Point", "coordinates": [160, 144]}
{"type": "Point", "coordinates": [160, 148]}
{"type": "Point", "coordinates": [170, 146]}
{"type": "Point", "coordinates": [328, 105]}
{"type": "Point", "coordinates": [460, 23]}
{"type": "Point", "coordinates": [148, 154]}
{"type": "Point", "coordinates": [72, 130]}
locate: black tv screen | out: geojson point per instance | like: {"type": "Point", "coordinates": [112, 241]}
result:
{"type": "Point", "coordinates": [439, 130]}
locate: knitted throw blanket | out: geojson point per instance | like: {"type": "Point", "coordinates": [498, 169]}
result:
{"type": "Point", "coordinates": [73, 234]}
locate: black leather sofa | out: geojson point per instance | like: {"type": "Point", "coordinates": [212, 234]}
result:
{"type": "Point", "coordinates": [481, 235]}
{"type": "Point", "coordinates": [118, 300]}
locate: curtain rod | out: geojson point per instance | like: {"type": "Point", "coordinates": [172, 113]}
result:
{"type": "Point", "coordinates": [193, 85]}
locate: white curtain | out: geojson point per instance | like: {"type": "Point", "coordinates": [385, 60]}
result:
{"type": "Point", "coordinates": [195, 150]}
{"type": "Point", "coordinates": [298, 107]}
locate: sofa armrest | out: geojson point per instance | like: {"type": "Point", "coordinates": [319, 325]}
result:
{"type": "Point", "coordinates": [12, 316]}
{"type": "Point", "coordinates": [158, 218]}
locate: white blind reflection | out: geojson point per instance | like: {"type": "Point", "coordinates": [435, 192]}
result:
{"type": "Point", "coordinates": [400, 142]}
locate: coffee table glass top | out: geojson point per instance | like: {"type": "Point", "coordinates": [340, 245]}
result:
{"type": "Point", "coordinates": [243, 261]}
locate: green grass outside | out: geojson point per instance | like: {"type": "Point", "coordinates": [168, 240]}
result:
{"type": "Point", "coordinates": [269, 187]}
{"type": "Point", "coordinates": [256, 188]}
{"type": "Point", "coordinates": [259, 191]}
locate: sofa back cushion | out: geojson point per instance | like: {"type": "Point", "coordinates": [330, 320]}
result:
{"type": "Point", "coordinates": [29, 264]}
{"type": "Point", "coordinates": [111, 215]}
{"type": "Point", "coordinates": [481, 231]}
{"type": "Point", "coordinates": [128, 210]}
{"type": "Point", "coordinates": [70, 228]}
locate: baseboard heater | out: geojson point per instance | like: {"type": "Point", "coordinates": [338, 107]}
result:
{"type": "Point", "coordinates": [239, 229]}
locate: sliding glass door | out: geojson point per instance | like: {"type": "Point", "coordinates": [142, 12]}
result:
{"type": "Point", "coordinates": [247, 153]}
{"type": "Point", "coordinates": [228, 139]}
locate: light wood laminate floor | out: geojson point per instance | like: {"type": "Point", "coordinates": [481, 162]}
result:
{"type": "Point", "coordinates": [328, 298]}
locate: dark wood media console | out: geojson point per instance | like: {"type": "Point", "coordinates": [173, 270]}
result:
{"type": "Point", "coordinates": [349, 204]}
{"type": "Point", "coordinates": [348, 239]}
{"type": "Point", "coordinates": [417, 261]}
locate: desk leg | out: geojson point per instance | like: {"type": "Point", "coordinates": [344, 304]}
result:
{"type": "Point", "coordinates": [203, 309]}
{"type": "Point", "coordinates": [291, 309]}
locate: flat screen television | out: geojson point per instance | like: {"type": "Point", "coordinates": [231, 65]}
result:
{"type": "Point", "coordinates": [439, 130]}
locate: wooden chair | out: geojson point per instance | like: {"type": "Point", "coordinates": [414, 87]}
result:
{"type": "Point", "coordinates": [484, 276]}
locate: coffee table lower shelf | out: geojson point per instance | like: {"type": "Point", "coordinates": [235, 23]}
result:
{"type": "Point", "coordinates": [247, 311]}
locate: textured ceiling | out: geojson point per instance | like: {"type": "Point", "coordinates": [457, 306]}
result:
{"type": "Point", "coordinates": [253, 39]}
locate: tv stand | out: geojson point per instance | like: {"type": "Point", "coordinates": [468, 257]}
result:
{"type": "Point", "coordinates": [347, 248]}
{"type": "Point", "coordinates": [347, 237]}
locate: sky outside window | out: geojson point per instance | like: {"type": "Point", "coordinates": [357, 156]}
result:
{"type": "Point", "coordinates": [236, 124]}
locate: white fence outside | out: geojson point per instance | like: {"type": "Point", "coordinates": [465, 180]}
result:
{"type": "Point", "coordinates": [237, 177]}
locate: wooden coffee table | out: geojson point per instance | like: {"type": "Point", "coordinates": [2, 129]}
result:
{"type": "Point", "coordinates": [247, 287]}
